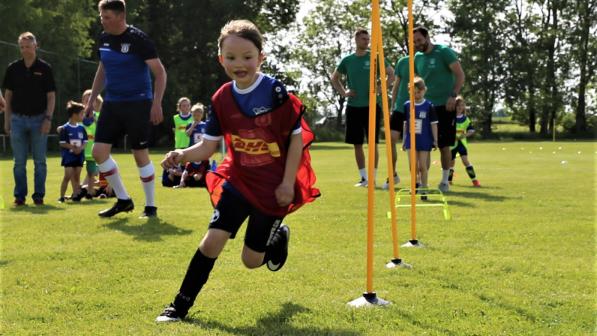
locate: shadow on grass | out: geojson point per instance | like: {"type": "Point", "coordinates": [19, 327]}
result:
{"type": "Point", "coordinates": [319, 146]}
{"type": "Point", "coordinates": [517, 311]}
{"type": "Point", "coordinates": [425, 326]}
{"type": "Point", "coordinates": [478, 195]}
{"type": "Point", "coordinates": [34, 209]}
{"type": "Point", "coordinates": [152, 230]}
{"type": "Point", "coordinates": [274, 324]}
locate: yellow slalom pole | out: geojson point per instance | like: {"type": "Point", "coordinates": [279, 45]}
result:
{"type": "Point", "coordinates": [386, 125]}
{"type": "Point", "coordinates": [413, 165]}
{"type": "Point", "coordinates": [371, 144]}
{"type": "Point", "coordinates": [370, 298]}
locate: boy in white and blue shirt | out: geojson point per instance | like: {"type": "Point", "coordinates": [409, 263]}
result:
{"type": "Point", "coordinates": [73, 138]}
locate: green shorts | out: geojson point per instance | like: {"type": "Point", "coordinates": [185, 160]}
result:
{"type": "Point", "coordinates": [91, 167]}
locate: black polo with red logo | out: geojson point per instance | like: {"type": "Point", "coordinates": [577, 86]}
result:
{"type": "Point", "coordinates": [29, 86]}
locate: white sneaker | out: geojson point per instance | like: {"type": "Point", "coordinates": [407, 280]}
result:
{"type": "Point", "coordinates": [443, 187]}
{"type": "Point", "coordinates": [386, 184]}
{"type": "Point", "coordinates": [169, 315]}
{"type": "Point", "coordinates": [361, 183]}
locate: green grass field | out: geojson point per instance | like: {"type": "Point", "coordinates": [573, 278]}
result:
{"type": "Point", "coordinates": [517, 258]}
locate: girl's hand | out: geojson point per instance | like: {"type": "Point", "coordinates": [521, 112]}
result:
{"type": "Point", "coordinates": [284, 194]}
{"type": "Point", "coordinates": [434, 144]}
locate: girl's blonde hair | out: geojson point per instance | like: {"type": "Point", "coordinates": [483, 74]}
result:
{"type": "Point", "coordinates": [180, 100]}
{"type": "Point", "coordinates": [97, 104]}
{"type": "Point", "coordinates": [198, 106]}
{"type": "Point", "coordinates": [419, 83]}
{"type": "Point", "coordinates": [459, 100]}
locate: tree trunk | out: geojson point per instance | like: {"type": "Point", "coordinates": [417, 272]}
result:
{"type": "Point", "coordinates": [553, 99]}
{"type": "Point", "coordinates": [531, 108]}
{"type": "Point", "coordinates": [581, 119]}
{"type": "Point", "coordinates": [488, 109]}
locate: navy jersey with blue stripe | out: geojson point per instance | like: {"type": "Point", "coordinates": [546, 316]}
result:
{"type": "Point", "coordinates": [425, 115]}
{"type": "Point", "coordinates": [76, 136]}
{"type": "Point", "coordinates": [197, 133]}
{"type": "Point", "coordinates": [123, 56]}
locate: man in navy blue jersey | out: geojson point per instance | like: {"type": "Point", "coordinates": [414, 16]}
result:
{"type": "Point", "coordinates": [127, 56]}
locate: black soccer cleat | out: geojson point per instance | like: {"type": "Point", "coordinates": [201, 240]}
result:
{"type": "Point", "coordinates": [150, 211]}
{"type": "Point", "coordinates": [120, 206]}
{"type": "Point", "coordinates": [280, 249]}
{"type": "Point", "coordinates": [169, 315]}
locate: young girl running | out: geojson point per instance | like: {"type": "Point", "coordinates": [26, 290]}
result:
{"type": "Point", "coordinates": [464, 129]}
{"type": "Point", "coordinates": [266, 173]}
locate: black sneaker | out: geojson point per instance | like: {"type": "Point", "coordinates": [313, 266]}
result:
{"type": "Point", "coordinates": [150, 211]}
{"type": "Point", "coordinates": [61, 200]}
{"type": "Point", "coordinates": [120, 206]}
{"type": "Point", "coordinates": [280, 244]}
{"type": "Point", "coordinates": [169, 315]}
{"type": "Point", "coordinates": [76, 198]}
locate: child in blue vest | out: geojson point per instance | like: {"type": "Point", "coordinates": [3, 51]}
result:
{"type": "Point", "coordinates": [425, 130]}
{"type": "Point", "coordinates": [73, 138]}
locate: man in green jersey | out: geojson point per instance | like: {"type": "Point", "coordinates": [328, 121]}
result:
{"type": "Point", "coordinates": [400, 95]}
{"type": "Point", "coordinates": [355, 69]}
{"type": "Point", "coordinates": [438, 65]}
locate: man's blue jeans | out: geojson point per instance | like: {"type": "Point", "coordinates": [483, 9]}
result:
{"type": "Point", "coordinates": [25, 133]}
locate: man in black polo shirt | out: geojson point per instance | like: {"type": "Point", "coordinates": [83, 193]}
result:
{"type": "Point", "coordinates": [30, 98]}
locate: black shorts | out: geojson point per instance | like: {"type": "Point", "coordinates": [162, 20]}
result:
{"type": "Point", "coordinates": [397, 121]}
{"type": "Point", "coordinates": [446, 127]}
{"type": "Point", "coordinates": [357, 124]}
{"type": "Point", "coordinates": [459, 149]}
{"type": "Point", "coordinates": [128, 117]}
{"type": "Point", "coordinates": [73, 164]}
{"type": "Point", "coordinates": [231, 212]}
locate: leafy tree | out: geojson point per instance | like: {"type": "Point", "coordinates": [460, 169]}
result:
{"type": "Point", "coordinates": [583, 53]}
{"type": "Point", "coordinates": [326, 35]}
{"type": "Point", "coordinates": [61, 28]}
{"type": "Point", "coordinates": [482, 34]}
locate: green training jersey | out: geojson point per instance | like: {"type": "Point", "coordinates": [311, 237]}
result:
{"type": "Point", "coordinates": [434, 68]}
{"type": "Point", "coordinates": [90, 137]}
{"type": "Point", "coordinates": [181, 138]}
{"type": "Point", "coordinates": [463, 125]}
{"type": "Point", "coordinates": [401, 70]}
{"type": "Point", "coordinates": [356, 69]}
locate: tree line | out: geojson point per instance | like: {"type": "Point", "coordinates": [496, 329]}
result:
{"type": "Point", "coordinates": [537, 58]}
{"type": "Point", "coordinates": [185, 33]}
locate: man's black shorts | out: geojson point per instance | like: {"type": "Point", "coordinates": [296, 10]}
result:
{"type": "Point", "coordinates": [128, 117]}
{"type": "Point", "coordinates": [397, 121]}
{"type": "Point", "coordinates": [231, 212]}
{"type": "Point", "coordinates": [357, 124]}
{"type": "Point", "coordinates": [446, 127]}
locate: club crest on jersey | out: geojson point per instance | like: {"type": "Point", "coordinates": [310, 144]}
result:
{"type": "Point", "coordinates": [124, 47]}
